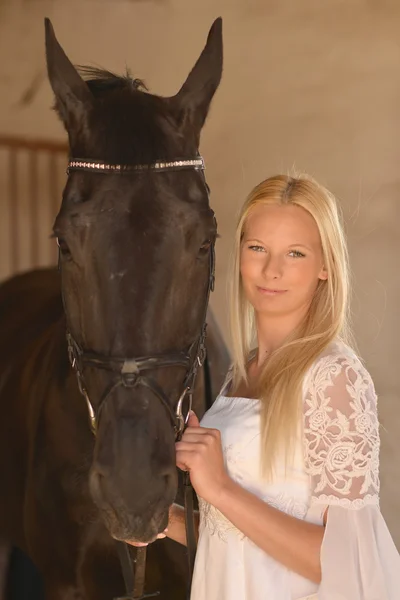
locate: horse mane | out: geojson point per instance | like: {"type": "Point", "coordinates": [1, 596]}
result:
{"type": "Point", "coordinates": [101, 80]}
{"type": "Point", "coordinates": [146, 116]}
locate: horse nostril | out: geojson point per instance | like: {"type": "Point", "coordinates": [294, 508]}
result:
{"type": "Point", "coordinates": [101, 468]}
{"type": "Point", "coordinates": [99, 476]}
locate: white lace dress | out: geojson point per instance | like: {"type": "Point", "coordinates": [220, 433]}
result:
{"type": "Point", "coordinates": [336, 465]}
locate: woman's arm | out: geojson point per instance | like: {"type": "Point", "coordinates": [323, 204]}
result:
{"type": "Point", "coordinates": [176, 524]}
{"type": "Point", "coordinates": [291, 541]}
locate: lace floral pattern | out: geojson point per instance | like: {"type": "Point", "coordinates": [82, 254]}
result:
{"type": "Point", "coordinates": [341, 432]}
{"type": "Point", "coordinates": [211, 517]}
{"type": "Point", "coordinates": [218, 524]}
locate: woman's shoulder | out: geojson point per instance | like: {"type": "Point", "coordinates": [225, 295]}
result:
{"type": "Point", "coordinates": [337, 352]}
{"type": "Point", "coordinates": [339, 362]}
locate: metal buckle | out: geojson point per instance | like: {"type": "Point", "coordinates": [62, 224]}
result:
{"type": "Point", "coordinates": [71, 354]}
{"type": "Point", "coordinates": [201, 357]}
{"type": "Point", "coordinates": [182, 421]}
{"type": "Point", "coordinates": [92, 416]}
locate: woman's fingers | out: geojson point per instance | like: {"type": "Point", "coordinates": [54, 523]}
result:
{"type": "Point", "coordinates": [193, 420]}
{"type": "Point", "coordinates": [190, 445]}
{"type": "Point", "coordinates": [195, 444]}
{"type": "Point", "coordinates": [196, 435]}
{"type": "Point", "coordinates": [201, 431]}
{"type": "Point", "coordinates": [163, 534]}
{"type": "Point", "coordinates": [160, 536]}
{"type": "Point", "coordinates": [186, 458]}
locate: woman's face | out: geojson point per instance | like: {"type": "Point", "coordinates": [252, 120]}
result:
{"type": "Point", "coordinates": [281, 260]}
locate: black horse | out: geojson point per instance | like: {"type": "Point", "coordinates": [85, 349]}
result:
{"type": "Point", "coordinates": [136, 237]}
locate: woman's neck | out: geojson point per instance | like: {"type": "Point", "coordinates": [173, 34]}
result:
{"type": "Point", "coordinates": [272, 332]}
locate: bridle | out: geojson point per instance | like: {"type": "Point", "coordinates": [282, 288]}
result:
{"type": "Point", "coordinates": [131, 372]}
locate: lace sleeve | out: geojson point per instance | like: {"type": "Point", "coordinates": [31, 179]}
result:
{"type": "Point", "coordinates": [341, 433]}
{"type": "Point", "coordinates": [359, 560]}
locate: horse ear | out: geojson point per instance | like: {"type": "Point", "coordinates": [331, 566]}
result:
{"type": "Point", "coordinates": [194, 97]}
{"type": "Point", "coordinates": [73, 97]}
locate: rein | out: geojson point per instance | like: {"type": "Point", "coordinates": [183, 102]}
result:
{"type": "Point", "coordinates": [133, 372]}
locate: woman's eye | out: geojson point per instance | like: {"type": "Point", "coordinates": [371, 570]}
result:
{"type": "Point", "coordinates": [296, 254]}
{"type": "Point", "coordinates": [256, 248]}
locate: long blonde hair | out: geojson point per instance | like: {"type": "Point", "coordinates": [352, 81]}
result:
{"type": "Point", "coordinates": [281, 378]}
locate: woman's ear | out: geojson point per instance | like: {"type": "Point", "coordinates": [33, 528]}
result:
{"type": "Point", "coordinates": [323, 274]}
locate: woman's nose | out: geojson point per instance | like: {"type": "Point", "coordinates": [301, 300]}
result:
{"type": "Point", "coordinates": [272, 267]}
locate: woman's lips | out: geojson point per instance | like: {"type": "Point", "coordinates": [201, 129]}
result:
{"type": "Point", "coordinates": [270, 291]}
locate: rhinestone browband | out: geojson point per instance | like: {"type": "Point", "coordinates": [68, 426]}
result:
{"type": "Point", "coordinates": [76, 164]}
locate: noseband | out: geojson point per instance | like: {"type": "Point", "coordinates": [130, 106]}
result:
{"type": "Point", "coordinates": [133, 372]}
{"type": "Point", "coordinates": [130, 373]}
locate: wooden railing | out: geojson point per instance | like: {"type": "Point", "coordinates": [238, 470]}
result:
{"type": "Point", "coordinates": [32, 175]}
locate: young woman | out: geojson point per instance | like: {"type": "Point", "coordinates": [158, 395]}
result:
{"type": "Point", "coordinates": [286, 462]}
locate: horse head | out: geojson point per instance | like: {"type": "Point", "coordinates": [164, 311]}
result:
{"type": "Point", "coordinates": [136, 237]}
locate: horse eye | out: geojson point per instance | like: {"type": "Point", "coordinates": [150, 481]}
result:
{"type": "Point", "coordinates": [204, 248]}
{"type": "Point", "coordinates": [64, 250]}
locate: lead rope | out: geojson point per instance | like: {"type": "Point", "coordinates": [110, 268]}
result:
{"type": "Point", "coordinates": [134, 580]}
{"type": "Point", "coordinates": [191, 538]}
{"type": "Point", "coordinates": [190, 529]}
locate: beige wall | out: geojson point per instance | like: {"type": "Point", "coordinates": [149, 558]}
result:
{"type": "Point", "coordinates": [315, 84]}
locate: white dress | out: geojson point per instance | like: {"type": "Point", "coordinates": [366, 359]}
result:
{"type": "Point", "coordinates": [336, 465]}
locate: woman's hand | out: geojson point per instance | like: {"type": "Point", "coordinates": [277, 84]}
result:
{"type": "Point", "coordinates": [200, 453]}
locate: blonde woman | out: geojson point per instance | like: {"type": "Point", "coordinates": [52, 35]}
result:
{"type": "Point", "coordinates": [286, 462]}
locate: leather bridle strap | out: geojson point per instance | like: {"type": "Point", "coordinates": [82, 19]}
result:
{"type": "Point", "coordinates": [134, 581]}
{"type": "Point", "coordinates": [128, 372]}
{"type": "Point", "coordinates": [191, 539]}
